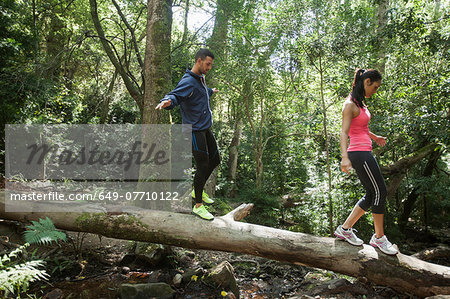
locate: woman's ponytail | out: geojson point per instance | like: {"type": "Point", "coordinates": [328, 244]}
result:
{"type": "Point", "coordinates": [358, 91]}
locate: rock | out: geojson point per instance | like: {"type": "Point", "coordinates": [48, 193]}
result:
{"type": "Point", "coordinates": [338, 286]}
{"type": "Point", "coordinates": [146, 290]}
{"type": "Point", "coordinates": [159, 276]}
{"type": "Point", "coordinates": [190, 254]}
{"type": "Point", "coordinates": [128, 259]}
{"type": "Point", "coordinates": [178, 278]}
{"type": "Point", "coordinates": [55, 294]}
{"type": "Point", "coordinates": [185, 260]}
{"type": "Point", "coordinates": [439, 297]}
{"type": "Point", "coordinates": [187, 275]}
{"type": "Point", "coordinates": [124, 270]}
{"type": "Point", "coordinates": [223, 276]}
{"type": "Point", "coordinates": [151, 253]}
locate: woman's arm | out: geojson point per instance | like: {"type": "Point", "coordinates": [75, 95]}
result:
{"type": "Point", "coordinates": [380, 140]}
{"type": "Point", "coordinates": [347, 115]}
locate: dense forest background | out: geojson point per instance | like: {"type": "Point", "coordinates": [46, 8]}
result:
{"type": "Point", "coordinates": [283, 69]}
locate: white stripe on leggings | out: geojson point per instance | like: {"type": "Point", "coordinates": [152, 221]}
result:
{"type": "Point", "coordinates": [374, 183]}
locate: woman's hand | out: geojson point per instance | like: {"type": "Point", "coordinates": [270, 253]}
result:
{"type": "Point", "coordinates": [346, 165]}
{"type": "Point", "coordinates": [380, 140]}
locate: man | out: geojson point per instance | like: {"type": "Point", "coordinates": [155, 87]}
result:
{"type": "Point", "coordinates": [193, 96]}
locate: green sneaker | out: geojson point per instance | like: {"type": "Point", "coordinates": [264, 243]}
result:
{"type": "Point", "coordinates": [202, 212]}
{"type": "Point", "coordinates": [206, 199]}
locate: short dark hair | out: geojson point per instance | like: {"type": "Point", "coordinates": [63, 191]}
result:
{"type": "Point", "coordinates": [203, 53]}
{"type": "Point", "coordinates": [358, 84]}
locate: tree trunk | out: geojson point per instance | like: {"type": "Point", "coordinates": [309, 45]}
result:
{"type": "Point", "coordinates": [397, 171]}
{"type": "Point", "coordinates": [407, 162]}
{"type": "Point", "coordinates": [129, 84]}
{"type": "Point", "coordinates": [383, 6]}
{"type": "Point", "coordinates": [412, 197]}
{"type": "Point", "coordinates": [393, 183]}
{"type": "Point", "coordinates": [211, 183]}
{"type": "Point", "coordinates": [218, 39]}
{"type": "Point", "coordinates": [259, 165]}
{"type": "Point", "coordinates": [157, 58]}
{"type": "Point", "coordinates": [104, 110]}
{"type": "Point", "coordinates": [185, 24]}
{"type": "Point", "coordinates": [401, 272]}
{"type": "Point", "coordinates": [327, 149]}
{"type": "Point", "coordinates": [233, 155]}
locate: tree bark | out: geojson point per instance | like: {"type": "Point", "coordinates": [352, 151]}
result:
{"type": "Point", "coordinates": [157, 58]}
{"type": "Point", "coordinates": [104, 111]}
{"type": "Point", "coordinates": [383, 6]}
{"type": "Point", "coordinates": [401, 272]}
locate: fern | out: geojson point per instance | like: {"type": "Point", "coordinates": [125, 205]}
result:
{"type": "Point", "coordinates": [15, 278]}
{"type": "Point", "coordinates": [43, 232]}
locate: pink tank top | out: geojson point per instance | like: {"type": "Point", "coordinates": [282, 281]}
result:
{"type": "Point", "coordinates": [359, 132]}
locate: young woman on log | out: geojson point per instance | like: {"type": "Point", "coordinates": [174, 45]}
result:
{"type": "Point", "coordinates": [358, 155]}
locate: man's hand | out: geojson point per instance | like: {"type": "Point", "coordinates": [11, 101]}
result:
{"type": "Point", "coordinates": [163, 104]}
{"type": "Point", "coordinates": [215, 90]}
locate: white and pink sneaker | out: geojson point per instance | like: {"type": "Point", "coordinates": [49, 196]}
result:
{"type": "Point", "coordinates": [348, 235]}
{"type": "Point", "coordinates": [383, 244]}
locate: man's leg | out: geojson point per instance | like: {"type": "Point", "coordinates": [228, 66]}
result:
{"type": "Point", "coordinates": [201, 157]}
{"type": "Point", "coordinates": [213, 151]}
{"type": "Point", "coordinates": [200, 153]}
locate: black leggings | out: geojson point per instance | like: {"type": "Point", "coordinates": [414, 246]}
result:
{"type": "Point", "coordinates": [206, 156]}
{"type": "Point", "coordinates": [370, 176]}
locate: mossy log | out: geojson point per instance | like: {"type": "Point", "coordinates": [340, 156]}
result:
{"type": "Point", "coordinates": [403, 273]}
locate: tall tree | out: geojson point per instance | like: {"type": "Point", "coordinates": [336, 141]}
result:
{"type": "Point", "coordinates": [121, 65]}
{"type": "Point", "coordinates": [157, 58]}
{"type": "Point", "coordinates": [154, 70]}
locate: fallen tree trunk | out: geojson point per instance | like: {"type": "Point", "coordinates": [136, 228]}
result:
{"type": "Point", "coordinates": [407, 162]}
{"type": "Point", "coordinates": [403, 273]}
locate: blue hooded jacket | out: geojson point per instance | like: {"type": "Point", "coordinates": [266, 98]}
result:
{"type": "Point", "coordinates": [193, 96]}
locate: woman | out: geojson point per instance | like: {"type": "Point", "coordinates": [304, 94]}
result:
{"type": "Point", "coordinates": [355, 120]}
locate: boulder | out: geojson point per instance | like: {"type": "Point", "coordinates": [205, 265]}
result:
{"type": "Point", "coordinates": [338, 286]}
{"type": "Point", "coordinates": [223, 276]}
{"type": "Point", "coordinates": [151, 253]}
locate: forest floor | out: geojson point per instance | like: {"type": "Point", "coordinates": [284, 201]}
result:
{"type": "Point", "coordinates": [87, 266]}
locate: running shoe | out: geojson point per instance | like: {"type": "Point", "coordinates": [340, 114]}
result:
{"type": "Point", "coordinates": [383, 244]}
{"type": "Point", "coordinates": [202, 212]}
{"type": "Point", "coordinates": [206, 199]}
{"type": "Point", "coordinates": [348, 235]}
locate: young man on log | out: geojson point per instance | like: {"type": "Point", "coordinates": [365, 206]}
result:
{"type": "Point", "coordinates": [193, 97]}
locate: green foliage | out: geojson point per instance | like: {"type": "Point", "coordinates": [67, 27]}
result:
{"type": "Point", "coordinates": [16, 275]}
{"type": "Point", "coordinates": [266, 210]}
{"type": "Point", "coordinates": [43, 232]}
